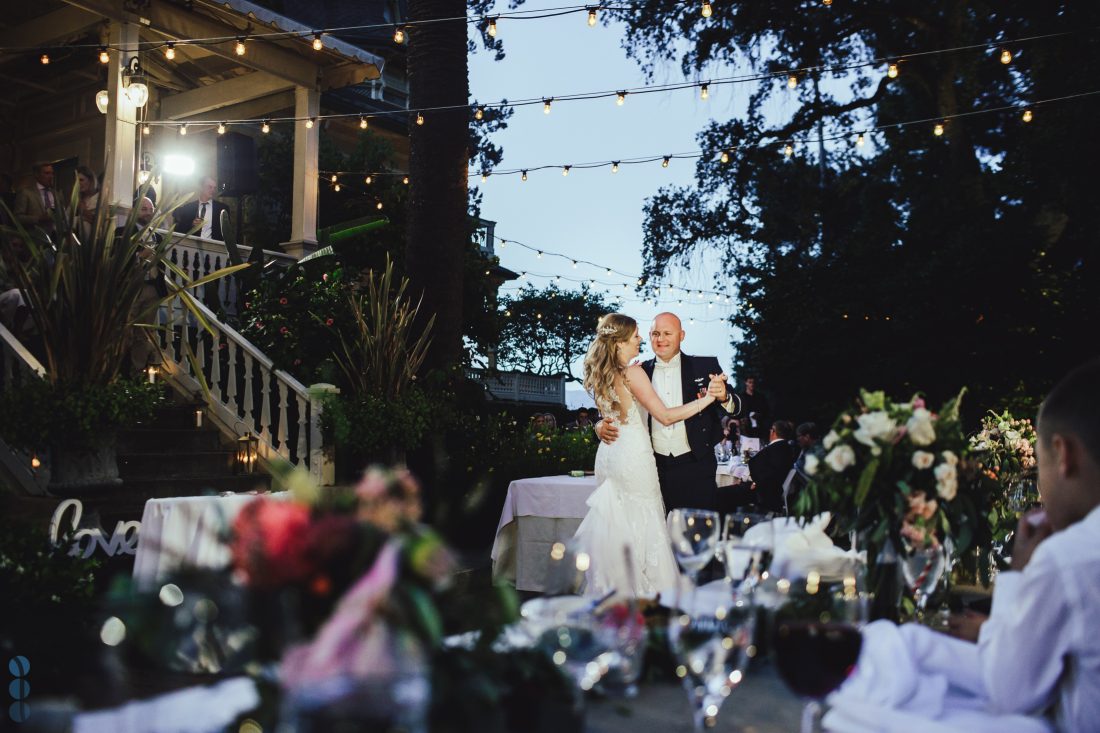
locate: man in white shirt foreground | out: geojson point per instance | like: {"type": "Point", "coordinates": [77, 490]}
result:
{"type": "Point", "coordinates": [1040, 647]}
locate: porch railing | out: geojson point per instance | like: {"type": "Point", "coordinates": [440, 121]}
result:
{"type": "Point", "coordinates": [246, 393]}
{"type": "Point", "coordinates": [521, 387]}
{"type": "Point", "coordinates": [17, 366]}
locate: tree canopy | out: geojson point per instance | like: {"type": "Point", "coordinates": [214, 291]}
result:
{"type": "Point", "coordinates": [912, 261]}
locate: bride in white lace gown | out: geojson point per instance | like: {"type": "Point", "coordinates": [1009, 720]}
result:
{"type": "Point", "coordinates": [626, 509]}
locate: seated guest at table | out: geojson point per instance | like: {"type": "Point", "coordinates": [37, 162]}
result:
{"type": "Point", "coordinates": [1039, 650]}
{"type": "Point", "coordinates": [769, 467]}
{"type": "Point", "coordinates": [745, 440]}
{"type": "Point", "coordinates": [723, 451]}
{"type": "Point", "coordinates": [807, 437]}
{"type": "Point", "coordinates": [583, 421]}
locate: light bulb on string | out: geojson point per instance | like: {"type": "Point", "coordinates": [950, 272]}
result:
{"type": "Point", "coordinates": [265, 128]}
{"type": "Point", "coordinates": [44, 59]}
{"type": "Point", "coordinates": [707, 10]}
{"type": "Point", "coordinates": [1006, 56]}
{"type": "Point", "coordinates": [859, 140]}
{"type": "Point", "coordinates": [310, 123]}
{"type": "Point", "coordinates": [419, 119]}
{"type": "Point", "coordinates": [788, 150]}
{"type": "Point", "coordinates": [170, 51]}
{"type": "Point", "coordinates": [1027, 116]}
{"type": "Point", "coordinates": [146, 130]}
{"type": "Point", "coordinates": [665, 161]}
{"type": "Point", "coordinates": [546, 105]}
{"type": "Point", "coordinates": [378, 206]}
{"type": "Point", "coordinates": [620, 98]}
{"type": "Point", "coordinates": [892, 71]}
{"type": "Point", "coordinates": [591, 17]}
{"type": "Point", "coordinates": [538, 255]}
{"type": "Point", "coordinates": [522, 177]}
{"type": "Point", "coordinates": [725, 157]}
{"type": "Point", "coordinates": [792, 81]}
{"type": "Point", "coordinates": [183, 129]}
{"type": "Point", "coordinates": [336, 188]}
{"type": "Point", "coordinates": [565, 170]}
{"type": "Point", "coordinates": [317, 45]}
{"type": "Point", "coordinates": [240, 47]}
{"type": "Point", "coordinates": [615, 166]}
{"type": "Point", "coordinates": [368, 180]}
{"type": "Point", "coordinates": [405, 180]}
{"type": "Point", "coordinates": [704, 91]}
{"type": "Point", "coordinates": [938, 129]}
{"type": "Point", "coordinates": [609, 271]}
{"type": "Point", "coordinates": [334, 178]}
{"type": "Point", "coordinates": [492, 29]}
{"type": "Point", "coordinates": [221, 128]}
{"type": "Point", "coordinates": [362, 123]}
{"type": "Point", "coordinates": [574, 264]}
{"type": "Point", "coordinates": [484, 177]}
{"type": "Point", "coordinates": [104, 57]}
{"type": "Point", "coordinates": [827, 3]}
{"type": "Point", "coordinates": [479, 114]}
{"type": "Point", "coordinates": [399, 35]}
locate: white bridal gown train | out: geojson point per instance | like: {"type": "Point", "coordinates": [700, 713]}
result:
{"type": "Point", "coordinates": [626, 510]}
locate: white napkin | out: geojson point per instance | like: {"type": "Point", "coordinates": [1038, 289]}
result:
{"type": "Point", "coordinates": [799, 549]}
{"type": "Point", "coordinates": [194, 710]}
{"type": "Point", "coordinates": [911, 678]}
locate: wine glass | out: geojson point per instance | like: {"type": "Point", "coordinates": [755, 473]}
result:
{"type": "Point", "coordinates": [711, 634]}
{"type": "Point", "coordinates": [921, 571]}
{"type": "Point", "coordinates": [816, 638]}
{"type": "Point", "coordinates": [748, 541]}
{"type": "Point", "coordinates": [694, 535]}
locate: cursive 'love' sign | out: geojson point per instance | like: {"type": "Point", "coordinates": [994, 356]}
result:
{"type": "Point", "coordinates": [123, 541]}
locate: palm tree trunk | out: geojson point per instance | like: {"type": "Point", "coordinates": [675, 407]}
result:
{"type": "Point", "coordinates": [439, 155]}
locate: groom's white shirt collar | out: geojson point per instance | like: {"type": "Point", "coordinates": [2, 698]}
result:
{"type": "Point", "coordinates": [673, 362]}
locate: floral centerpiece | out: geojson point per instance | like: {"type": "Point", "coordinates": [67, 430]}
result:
{"type": "Point", "coordinates": [898, 476]}
{"type": "Point", "coordinates": [1005, 448]}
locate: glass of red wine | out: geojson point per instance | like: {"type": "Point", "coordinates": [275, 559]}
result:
{"type": "Point", "coordinates": [816, 629]}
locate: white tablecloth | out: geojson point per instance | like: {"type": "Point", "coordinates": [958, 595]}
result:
{"type": "Point", "coordinates": [732, 472]}
{"type": "Point", "coordinates": [186, 531]}
{"type": "Point", "coordinates": [537, 513]}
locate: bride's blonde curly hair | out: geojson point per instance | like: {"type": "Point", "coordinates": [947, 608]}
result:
{"type": "Point", "coordinates": [601, 363]}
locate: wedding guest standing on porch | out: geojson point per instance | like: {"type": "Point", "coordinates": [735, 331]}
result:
{"type": "Point", "coordinates": [35, 203]}
{"type": "Point", "coordinates": [203, 217]}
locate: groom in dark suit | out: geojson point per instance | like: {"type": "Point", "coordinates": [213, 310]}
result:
{"type": "Point", "coordinates": [685, 450]}
{"type": "Point", "coordinates": [203, 217]}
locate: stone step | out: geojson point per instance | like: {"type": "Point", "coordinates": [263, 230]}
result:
{"type": "Point", "coordinates": [155, 439]}
{"type": "Point", "coordinates": [175, 464]}
{"type": "Point", "coordinates": [173, 416]}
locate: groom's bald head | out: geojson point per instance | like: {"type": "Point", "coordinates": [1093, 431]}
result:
{"type": "Point", "coordinates": [665, 335]}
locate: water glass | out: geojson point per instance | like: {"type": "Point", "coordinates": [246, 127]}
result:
{"type": "Point", "coordinates": [747, 545]}
{"type": "Point", "coordinates": [694, 536]}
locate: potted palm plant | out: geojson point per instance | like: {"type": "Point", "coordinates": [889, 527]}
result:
{"type": "Point", "coordinates": [84, 284]}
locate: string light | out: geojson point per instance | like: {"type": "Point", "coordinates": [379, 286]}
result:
{"type": "Point", "coordinates": [170, 51]}
{"type": "Point", "coordinates": [146, 129]}
{"type": "Point", "coordinates": [492, 30]}
{"type": "Point", "coordinates": [368, 180]}
{"type": "Point", "coordinates": [480, 113]}
{"type": "Point", "coordinates": [565, 170]}
{"type": "Point", "coordinates": [523, 176]}
{"type": "Point", "coordinates": [1006, 56]}
{"type": "Point", "coordinates": [265, 128]}
{"type": "Point", "coordinates": [620, 98]}
{"type": "Point", "coordinates": [399, 35]}
{"type": "Point", "coordinates": [44, 58]}
{"type": "Point", "coordinates": [938, 129]}
{"type": "Point", "coordinates": [538, 255]}
{"type": "Point", "coordinates": [546, 105]}
{"type": "Point", "coordinates": [317, 45]}
{"type": "Point", "coordinates": [574, 264]}
{"type": "Point", "coordinates": [704, 92]}
{"type": "Point", "coordinates": [725, 157]}
{"type": "Point", "coordinates": [419, 119]}
{"type": "Point", "coordinates": [310, 123]}
{"type": "Point", "coordinates": [405, 180]}
{"type": "Point", "coordinates": [615, 166]}
{"type": "Point", "coordinates": [792, 81]}
{"type": "Point", "coordinates": [183, 129]}
{"type": "Point", "coordinates": [707, 10]}
{"type": "Point", "coordinates": [591, 17]}
{"type": "Point", "coordinates": [1027, 116]}
{"type": "Point", "coordinates": [892, 71]}
{"type": "Point", "coordinates": [221, 128]}
{"type": "Point", "coordinates": [484, 177]}
{"type": "Point", "coordinates": [104, 57]}
{"type": "Point", "coordinates": [334, 178]}
{"type": "Point", "coordinates": [240, 47]}
{"type": "Point", "coordinates": [378, 206]}
{"type": "Point", "coordinates": [336, 188]}
{"type": "Point", "coordinates": [362, 123]}
{"type": "Point", "coordinates": [859, 139]}
{"type": "Point", "coordinates": [788, 150]}
{"type": "Point", "coordinates": [827, 3]}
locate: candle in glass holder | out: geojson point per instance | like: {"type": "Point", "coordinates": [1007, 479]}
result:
{"type": "Point", "coordinates": [198, 418]}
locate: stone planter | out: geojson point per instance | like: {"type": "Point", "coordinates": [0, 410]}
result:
{"type": "Point", "coordinates": [76, 471]}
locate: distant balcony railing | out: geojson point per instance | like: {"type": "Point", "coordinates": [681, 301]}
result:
{"type": "Point", "coordinates": [521, 386]}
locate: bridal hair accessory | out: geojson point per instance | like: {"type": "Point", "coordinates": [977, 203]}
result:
{"type": "Point", "coordinates": [606, 331]}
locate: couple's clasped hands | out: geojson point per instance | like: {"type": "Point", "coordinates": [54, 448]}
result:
{"type": "Point", "coordinates": [607, 430]}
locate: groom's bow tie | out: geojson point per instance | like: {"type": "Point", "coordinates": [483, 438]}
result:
{"type": "Point", "coordinates": [664, 365]}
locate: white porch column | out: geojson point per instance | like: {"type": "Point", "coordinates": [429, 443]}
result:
{"type": "Point", "coordinates": [121, 142]}
{"type": "Point", "coordinates": [303, 227]}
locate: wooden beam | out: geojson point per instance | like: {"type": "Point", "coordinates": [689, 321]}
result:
{"type": "Point", "coordinates": [174, 21]}
{"type": "Point", "coordinates": [46, 29]}
{"type": "Point", "coordinates": [253, 109]}
{"type": "Point", "coordinates": [215, 96]}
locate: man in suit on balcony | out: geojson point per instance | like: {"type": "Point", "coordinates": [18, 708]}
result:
{"type": "Point", "coordinates": [202, 217]}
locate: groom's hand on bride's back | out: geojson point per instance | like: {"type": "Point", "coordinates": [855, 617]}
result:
{"type": "Point", "coordinates": [606, 430]}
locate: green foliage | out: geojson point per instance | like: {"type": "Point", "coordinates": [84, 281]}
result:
{"type": "Point", "coordinates": [294, 319]}
{"type": "Point", "coordinates": [372, 427]}
{"type": "Point", "coordinates": [79, 415]}
{"type": "Point", "coordinates": [545, 331]}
